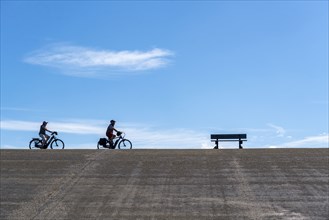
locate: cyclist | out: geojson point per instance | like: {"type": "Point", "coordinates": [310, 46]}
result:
{"type": "Point", "coordinates": [109, 131]}
{"type": "Point", "coordinates": [42, 133]}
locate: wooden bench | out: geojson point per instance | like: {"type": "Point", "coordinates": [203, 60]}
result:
{"type": "Point", "coordinates": [228, 137]}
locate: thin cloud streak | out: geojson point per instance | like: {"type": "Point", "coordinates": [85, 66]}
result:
{"type": "Point", "coordinates": [280, 131]}
{"type": "Point", "coordinates": [14, 125]}
{"type": "Point", "coordinates": [319, 141]}
{"type": "Point", "coordinates": [312, 141]}
{"type": "Point", "coordinates": [65, 127]}
{"type": "Point", "coordinates": [84, 62]}
{"type": "Point", "coordinates": [173, 138]}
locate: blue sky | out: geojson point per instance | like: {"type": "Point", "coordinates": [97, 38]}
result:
{"type": "Point", "coordinates": [169, 72]}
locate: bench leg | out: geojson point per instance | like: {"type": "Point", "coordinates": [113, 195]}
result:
{"type": "Point", "coordinates": [240, 144]}
{"type": "Point", "coordinates": [216, 146]}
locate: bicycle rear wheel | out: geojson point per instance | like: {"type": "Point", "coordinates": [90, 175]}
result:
{"type": "Point", "coordinates": [100, 146]}
{"type": "Point", "coordinates": [57, 144]}
{"type": "Point", "coordinates": [125, 144]}
{"type": "Point", "coordinates": [34, 143]}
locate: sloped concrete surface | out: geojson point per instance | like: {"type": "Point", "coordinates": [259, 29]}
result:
{"type": "Point", "coordinates": [165, 184]}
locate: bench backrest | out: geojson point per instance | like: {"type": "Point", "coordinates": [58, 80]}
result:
{"type": "Point", "coordinates": [228, 136]}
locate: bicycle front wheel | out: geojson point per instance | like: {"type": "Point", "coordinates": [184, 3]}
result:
{"type": "Point", "coordinates": [125, 144]}
{"type": "Point", "coordinates": [35, 144]}
{"type": "Point", "coordinates": [57, 144]}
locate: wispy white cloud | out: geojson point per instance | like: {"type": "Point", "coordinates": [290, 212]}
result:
{"type": "Point", "coordinates": [311, 141]}
{"type": "Point", "coordinates": [65, 127]}
{"type": "Point", "coordinates": [90, 62]}
{"type": "Point", "coordinates": [317, 141]}
{"type": "Point", "coordinates": [15, 125]}
{"type": "Point", "coordinates": [280, 131]}
{"type": "Point", "coordinates": [151, 137]}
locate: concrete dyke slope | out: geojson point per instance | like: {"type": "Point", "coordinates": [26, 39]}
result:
{"type": "Point", "coordinates": [165, 184]}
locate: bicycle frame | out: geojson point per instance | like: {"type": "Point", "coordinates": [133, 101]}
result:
{"type": "Point", "coordinates": [49, 141]}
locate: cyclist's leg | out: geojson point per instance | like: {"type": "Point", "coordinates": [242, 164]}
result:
{"type": "Point", "coordinates": [44, 139]}
{"type": "Point", "coordinates": [47, 137]}
{"type": "Point", "coordinates": [110, 138]}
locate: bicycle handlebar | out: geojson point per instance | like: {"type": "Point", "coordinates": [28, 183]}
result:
{"type": "Point", "coordinates": [121, 134]}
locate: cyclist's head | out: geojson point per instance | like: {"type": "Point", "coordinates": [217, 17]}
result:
{"type": "Point", "coordinates": [45, 122]}
{"type": "Point", "coordinates": [112, 122]}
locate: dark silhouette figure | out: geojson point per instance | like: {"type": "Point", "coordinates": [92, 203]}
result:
{"type": "Point", "coordinates": [42, 133]}
{"type": "Point", "coordinates": [109, 131]}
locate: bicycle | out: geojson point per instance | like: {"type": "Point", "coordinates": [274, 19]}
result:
{"type": "Point", "coordinates": [121, 141]}
{"type": "Point", "coordinates": [53, 141]}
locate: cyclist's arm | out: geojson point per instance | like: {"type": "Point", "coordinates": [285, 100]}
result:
{"type": "Point", "coordinates": [48, 130]}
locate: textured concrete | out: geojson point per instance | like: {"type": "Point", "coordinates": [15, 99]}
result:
{"type": "Point", "coordinates": [165, 184]}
